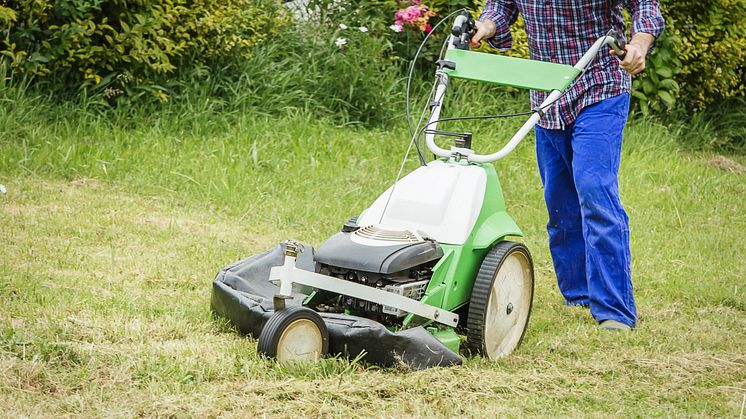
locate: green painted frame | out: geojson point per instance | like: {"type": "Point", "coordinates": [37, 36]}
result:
{"type": "Point", "coordinates": [453, 276]}
{"type": "Point", "coordinates": [510, 71]}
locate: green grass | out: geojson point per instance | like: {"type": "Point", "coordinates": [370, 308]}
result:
{"type": "Point", "coordinates": [114, 225]}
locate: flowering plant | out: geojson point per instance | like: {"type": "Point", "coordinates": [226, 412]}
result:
{"type": "Point", "coordinates": [415, 15]}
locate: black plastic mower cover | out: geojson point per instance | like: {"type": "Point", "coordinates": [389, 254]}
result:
{"type": "Point", "coordinates": [243, 294]}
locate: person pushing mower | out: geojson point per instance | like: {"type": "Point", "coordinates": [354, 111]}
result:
{"type": "Point", "coordinates": [579, 141]}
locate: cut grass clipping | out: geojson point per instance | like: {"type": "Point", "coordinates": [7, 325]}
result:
{"type": "Point", "coordinates": [110, 238]}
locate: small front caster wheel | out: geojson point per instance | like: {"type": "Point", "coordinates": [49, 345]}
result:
{"type": "Point", "coordinates": [294, 334]}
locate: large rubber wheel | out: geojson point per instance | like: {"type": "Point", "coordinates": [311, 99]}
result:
{"type": "Point", "coordinates": [294, 334]}
{"type": "Point", "coordinates": [500, 304]}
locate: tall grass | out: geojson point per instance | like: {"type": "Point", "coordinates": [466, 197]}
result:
{"type": "Point", "coordinates": [722, 126]}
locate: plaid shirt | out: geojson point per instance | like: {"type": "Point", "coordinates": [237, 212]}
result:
{"type": "Point", "coordinates": [561, 31]}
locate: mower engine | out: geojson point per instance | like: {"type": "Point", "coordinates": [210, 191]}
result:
{"type": "Point", "coordinates": [399, 262]}
{"type": "Point", "coordinates": [411, 284]}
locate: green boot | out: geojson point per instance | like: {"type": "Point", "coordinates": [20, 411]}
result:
{"type": "Point", "coordinates": [614, 325]}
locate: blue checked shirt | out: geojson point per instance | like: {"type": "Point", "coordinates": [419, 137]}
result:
{"type": "Point", "coordinates": [561, 31]}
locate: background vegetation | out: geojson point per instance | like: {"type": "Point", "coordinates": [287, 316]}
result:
{"type": "Point", "coordinates": [120, 49]}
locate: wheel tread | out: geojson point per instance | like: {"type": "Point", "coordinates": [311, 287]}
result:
{"type": "Point", "coordinates": [268, 339]}
{"type": "Point", "coordinates": [475, 324]}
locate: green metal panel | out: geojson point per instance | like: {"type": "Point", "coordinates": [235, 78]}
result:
{"type": "Point", "coordinates": [453, 276]}
{"type": "Point", "coordinates": [447, 336]}
{"type": "Point", "coordinates": [497, 222]}
{"type": "Point", "coordinates": [510, 71]}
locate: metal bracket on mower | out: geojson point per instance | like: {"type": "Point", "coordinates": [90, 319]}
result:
{"type": "Point", "coordinates": [288, 274]}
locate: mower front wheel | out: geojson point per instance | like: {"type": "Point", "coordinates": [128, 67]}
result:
{"type": "Point", "coordinates": [501, 300]}
{"type": "Point", "coordinates": [294, 334]}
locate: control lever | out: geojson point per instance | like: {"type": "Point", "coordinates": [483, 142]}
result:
{"type": "Point", "coordinates": [618, 44]}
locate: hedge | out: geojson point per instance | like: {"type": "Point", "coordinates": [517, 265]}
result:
{"type": "Point", "coordinates": [700, 59]}
{"type": "Point", "coordinates": [80, 42]}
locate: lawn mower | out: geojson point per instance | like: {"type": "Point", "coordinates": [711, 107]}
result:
{"type": "Point", "coordinates": [423, 270]}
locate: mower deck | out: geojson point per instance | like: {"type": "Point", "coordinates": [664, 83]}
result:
{"type": "Point", "coordinates": [243, 294]}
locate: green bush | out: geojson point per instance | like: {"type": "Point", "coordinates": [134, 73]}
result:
{"type": "Point", "coordinates": [712, 49]}
{"type": "Point", "coordinates": [656, 89]}
{"type": "Point", "coordinates": [699, 61]}
{"type": "Point", "coordinates": [77, 43]}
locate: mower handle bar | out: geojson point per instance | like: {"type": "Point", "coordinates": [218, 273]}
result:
{"type": "Point", "coordinates": [613, 39]}
{"type": "Point", "coordinates": [462, 30]}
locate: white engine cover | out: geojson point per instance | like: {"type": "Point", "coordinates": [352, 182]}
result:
{"type": "Point", "coordinates": [441, 200]}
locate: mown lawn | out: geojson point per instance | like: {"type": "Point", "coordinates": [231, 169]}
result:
{"type": "Point", "coordinates": [110, 238]}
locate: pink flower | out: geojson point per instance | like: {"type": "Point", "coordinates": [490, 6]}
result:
{"type": "Point", "coordinates": [415, 15]}
{"type": "Point", "coordinates": [411, 13]}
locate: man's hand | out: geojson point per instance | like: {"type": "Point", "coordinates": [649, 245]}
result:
{"type": "Point", "coordinates": [637, 50]}
{"type": "Point", "coordinates": [485, 30]}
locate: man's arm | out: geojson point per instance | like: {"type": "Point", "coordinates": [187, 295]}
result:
{"type": "Point", "coordinates": [493, 25]}
{"type": "Point", "coordinates": [647, 24]}
{"type": "Point", "coordinates": [637, 51]}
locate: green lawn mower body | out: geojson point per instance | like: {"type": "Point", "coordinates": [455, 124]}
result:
{"type": "Point", "coordinates": [426, 267]}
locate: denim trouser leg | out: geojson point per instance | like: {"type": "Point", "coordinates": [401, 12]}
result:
{"type": "Point", "coordinates": [590, 149]}
{"type": "Point", "coordinates": [565, 227]}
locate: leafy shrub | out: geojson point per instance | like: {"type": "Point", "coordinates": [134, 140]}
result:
{"type": "Point", "coordinates": [7, 16]}
{"type": "Point", "coordinates": [76, 43]}
{"type": "Point", "coordinates": [712, 49]}
{"type": "Point", "coordinates": [656, 89]}
{"type": "Point", "coordinates": [699, 60]}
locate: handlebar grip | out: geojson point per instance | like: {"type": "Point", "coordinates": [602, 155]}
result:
{"type": "Point", "coordinates": [618, 44]}
{"type": "Point", "coordinates": [463, 29]}
{"type": "Point", "coordinates": [458, 25]}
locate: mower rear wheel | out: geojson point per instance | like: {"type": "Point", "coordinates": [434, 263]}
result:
{"type": "Point", "coordinates": [501, 299]}
{"type": "Point", "coordinates": [294, 334]}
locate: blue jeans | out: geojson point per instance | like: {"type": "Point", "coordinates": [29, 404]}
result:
{"type": "Point", "coordinates": [588, 228]}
